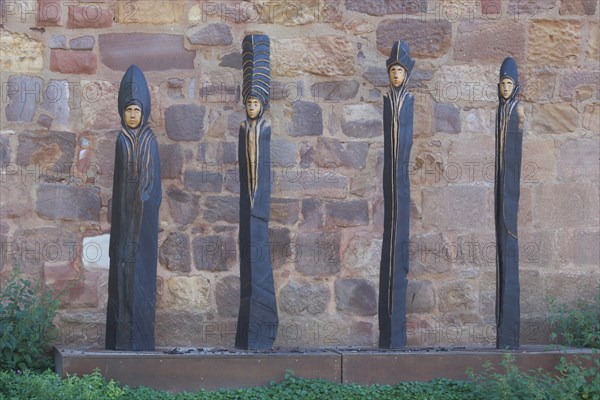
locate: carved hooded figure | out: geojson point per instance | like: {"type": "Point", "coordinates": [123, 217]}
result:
{"type": "Point", "coordinates": [509, 141]}
{"type": "Point", "coordinates": [398, 138]}
{"type": "Point", "coordinates": [137, 195]}
{"type": "Point", "coordinates": [257, 318]}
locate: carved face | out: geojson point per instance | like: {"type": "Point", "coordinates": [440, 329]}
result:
{"type": "Point", "coordinates": [506, 87]}
{"type": "Point", "coordinates": [397, 75]}
{"type": "Point", "coordinates": [253, 107]}
{"type": "Point", "coordinates": [133, 116]}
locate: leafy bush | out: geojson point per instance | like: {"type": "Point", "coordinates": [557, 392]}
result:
{"type": "Point", "coordinates": [578, 326]}
{"type": "Point", "coordinates": [26, 328]}
{"type": "Point", "coordinates": [574, 381]}
{"type": "Point", "coordinates": [48, 386]}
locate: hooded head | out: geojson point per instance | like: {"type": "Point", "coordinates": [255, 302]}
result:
{"type": "Point", "coordinates": [256, 66]}
{"type": "Point", "coordinates": [400, 55]}
{"type": "Point", "coordinates": [134, 91]}
{"type": "Point", "coordinates": [509, 78]}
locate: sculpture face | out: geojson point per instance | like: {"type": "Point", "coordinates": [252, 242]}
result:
{"type": "Point", "coordinates": [397, 75]}
{"type": "Point", "coordinates": [253, 107]}
{"type": "Point", "coordinates": [506, 87]}
{"type": "Point", "coordinates": [133, 116]}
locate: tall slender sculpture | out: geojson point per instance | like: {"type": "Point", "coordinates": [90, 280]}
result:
{"type": "Point", "coordinates": [398, 138]}
{"type": "Point", "coordinates": [137, 195]}
{"type": "Point", "coordinates": [257, 318]}
{"type": "Point", "coordinates": [509, 141]}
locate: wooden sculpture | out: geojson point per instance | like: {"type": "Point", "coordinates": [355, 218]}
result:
{"type": "Point", "coordinates": [398, 138]}
{"type": "Point", "coordinates": [137, 195]}
{"type": "Point", "coordinates": [257, 318]}
{"type": "Point", "coordinates": [509, 141]}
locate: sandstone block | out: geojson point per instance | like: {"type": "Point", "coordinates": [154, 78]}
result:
{"type": "Point", "coordinates": [174, 253]}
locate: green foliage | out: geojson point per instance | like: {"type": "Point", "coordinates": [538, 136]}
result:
{"type": "Point", "coordinates": [578, 326]}
{"type": "Point", "coordinates": [26, 328]}
{"type": "Point", "coordinates": [48, 386]}
{"type": "Point", "coordinates": [574, 381]}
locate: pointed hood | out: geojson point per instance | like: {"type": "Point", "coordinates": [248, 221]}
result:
{"type": "Point", "coordinates": [400, 54]}
{"type": "Point", "coordinates": [509, 69]}
{"type": "Point", "coordinates": [256, 66]}
{"type": "Point", "coordinates": [134, 90]}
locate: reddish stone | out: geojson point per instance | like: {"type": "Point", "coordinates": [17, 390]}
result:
{"type": "Point", "coordinates": [427, 39]}
{"type": "Point", "coordinates": [284, 211]}
{"type": "Point", "coordinates": [346, 213]}
{"type": "Point", "coordinates": [480, 40]}
{"type": "Point", "coordinates": [150, 52]}
{"type": "Point", "coordinates": [578, 7]}
{"type": "Point", "coordinates": [490, 7]}
{"type": "Point", "coordinates": [49, 12]}
{"type": "Point", "coordinates": [356, 296]}
{"type": "Point", "coordinates": [572, 79]}
{"type": "Point", "coordinates": [60, 273]}
{"type": "Point", "coordinates": [89, 16]}
{"type": "Point", "coordinates": [227, 295]}
{"type": "Point", "coordinates": [73, 62]}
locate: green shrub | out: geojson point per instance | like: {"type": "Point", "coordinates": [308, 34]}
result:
{"type": "Point", "coordinates": [574, 381]}
{"type": "Point", "coordinates": [26, 328]}
{"type": "Point", "coordinates": [578, 326]}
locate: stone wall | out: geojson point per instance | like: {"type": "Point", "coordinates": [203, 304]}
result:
{"type": "Point", "coordinates": [61, 63]}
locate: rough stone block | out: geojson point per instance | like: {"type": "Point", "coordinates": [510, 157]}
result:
{"type": "Point", "coordinates": [49, 155]}
{"type": "Point", "coordinates": [300, 298]}
{"type": "Point", "coordinates": [362, 121]}
{"type": "Point", "coordinates": [318, 254]}
{"type": "Point", "coordinates": [171, 161]}
{"type": "Point", "coordinates": [68, 202]}
{"type": "Point", "coordinates": [24, 93]}
{"type": "Point", "coordinates": [49, 12]}
{"type": "Point", "coordinates": [356, 296]}
{"type": "Point", "coordinates": [554, 42]}
{"type": "Point", "coordinates": [188, 292]}
{"type": "Point", "coordinates": [203, 181]}
{"type": "Point", "coordinates": [585, 248]}
{"type": "Point", "coordinates": [56, 100]}
{"type": "Point", "coordinates": [185, 122]}
{"type": "Point", "coordinates": [73, 62]}
{"type": "Point", "coordinates": [214, 253]}
{"type": "Point", "coordinates": [577, 7]}
{"type": "Point", "coordinates": [282, 251]}
{"type": "Point", "coordinates": [483, 41]}
{"type": "Point", "coordinates": [307, 119]}
{"type": "Point", "coordinates": [444, 208]}
{"type": "Point", "coordinates": [346, 213]}
{"type": "Point", "coordinates": [82, 43]}
{"type": "Point", "coordinates": [322, 55]}
{"type": "Point", "coordinates": [457, 296]}
{"type": "Point", "coordinates": [554, 118]}
{"type": "Point", "coordinates": [578, 161]}
{"type": "Point", "coordinates": [312, 214]}
{"type": "Point", "coordinates": [183, 206]}
{"type": "Point", "coordinates": [149, 51]}
{"type": "Point", "coordinates": [218, 34]}
{"type": "Point", "coordinates": [420, 297]}
{"type": "Point", "coordinates": [174, 253]}
{"type": "Point", "coordinates": [227, 293]}
{"type": "Point", "coordinates": [20, 53]}
{"type": "Point", "coordinates": [90, 16]}
{"type": "Point", "coordinates": [333, 154]}
{"type": "Point", "coordinates": [565, 205]}
{"type": "Point", "coordinates": [334, 91]}
{"type": "Point", "coordinates": [427, 39]}
{"type": "Point", "coordinates": [285, 211]}
{"type": "Point", "coordinates": [447, 118]}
